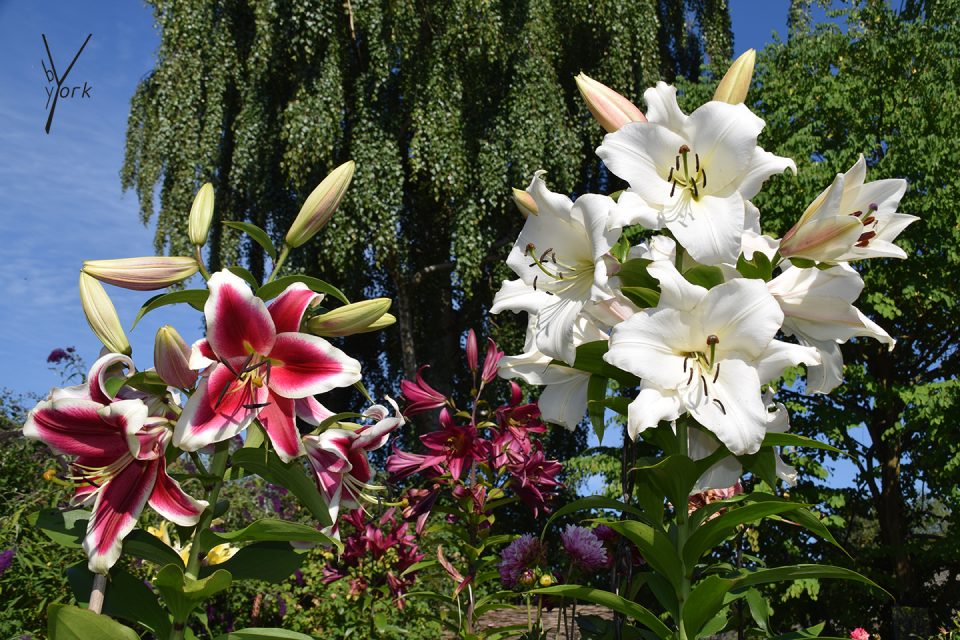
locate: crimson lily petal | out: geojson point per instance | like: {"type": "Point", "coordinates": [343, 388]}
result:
{"type": "Point", "coordinates": [172, 502]}
{"type": "Point", "coordinates": [238, 322]}
{"type": "Point", "coordinates": [115, 513]}
{"type": "Point", "coordinates": [78, 427]}
{"type": "Point", "coordinates": [99, 373]}
{"type": "Point", "coordinates": [305, 365]}
{"type": "Point", "coordinates": [279, 421]}
{"type": "Point", "coordinates": [288, 308]}
{"type": "Point", "coordinates": [211, 417]}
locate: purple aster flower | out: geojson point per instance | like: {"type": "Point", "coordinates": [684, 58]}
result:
{"type": "Point", "coordinates": [584, 548]}
{"type": "Point", "coordinates": [520, 555]}
{"type": "Point", "coordinates": [6, 559]}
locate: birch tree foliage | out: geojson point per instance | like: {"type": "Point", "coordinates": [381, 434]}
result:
{"type": "Point", "coordinates": [444, 106]}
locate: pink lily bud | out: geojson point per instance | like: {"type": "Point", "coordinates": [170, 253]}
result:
{"type": "Point", "coordinates": [102, 315]}
{"type": "Point", "coordinates": [608, 107]}
{"type": "Point", "coordinates": [472, 350]}
{"type": "Point", "coordinates": [490, 361]}
{"type": "Point", "coordinates": [524, 202]}
{"type": "Point", "coordinates": [171, 358]}
{"type": "Point", "coordinates": [201, 215]}
{"type": "Point", "coordinates": [350, 319]}
{"type": "Point", "coordinates": [736, 82]}
{"type": "Point", "coordinates": [320, 205]}
{"type": "Point", "coordinates": [142, 274]}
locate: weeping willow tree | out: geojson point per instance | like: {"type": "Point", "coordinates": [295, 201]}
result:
{"type": "Point", "coordinates": [443, 105]}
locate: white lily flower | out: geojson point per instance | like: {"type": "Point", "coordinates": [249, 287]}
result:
{"type": "Point", "coordinates": [564, 398]}
{"type": "Point", "coordinates": [559, 253]}
{"type": "Point", "coordinates": [818, 309]}
{"type": "Point", "coordinates": [692, 174]}
{"type": "Point", "coordinates": [706, 353]}
{"type": "Point", "coordinates": [850, 220]}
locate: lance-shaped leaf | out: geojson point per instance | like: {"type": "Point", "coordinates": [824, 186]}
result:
{"type": "Point", "coordinates": [65, 622]}
{"type": "Point", "coordinates": [612, 601]}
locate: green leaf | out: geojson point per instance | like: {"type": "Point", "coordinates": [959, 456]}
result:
{"type": "Point", "coordinates": [263, 633]}
{"type": "Point", "coordinates": [621, 249]}
{"type": "Point", "coordinates": [643, 297]}
{"type": "Point", "coordinates": [65, 622]}
{"type": "Point", "coordinates": [124, 597]}
{"type": "Point", "coordinates": [141, 544]}
{"type": "Point", "coordinates": [612, 601]}
{"type": "Point", "coordinates": [759, 609]}
{"type": "Point", "coordinates": [633, 273]}
{"type": "Point", "coordinates": [596, 392]}
{"type": "Point", "coordinates": [707, 597]}
{"type": "Point", "coordinates": [194, 297]}
{"type": "Point", "coordinates": [590, 359]}
{"type": "Point", "coordinates": [673, 477]}
{"type": "Point", "coordinates": [266, 530]}
{"type": "Point", "coordinates": [246, 275]}
{"type": "Point", "coordinates": [712, 533]}
{"type": "Point", "coordinates": [147, 381]}
{"type": "Point", "coordinates": [796, 440]}
{"type": "Point", "coordinates": [704, 276]}
{"type": "Point", "coordinates": [590, 502]}
{"type": "Point", "coordinates": [809, 521]}
{"type": "Point", "coordinates": [809, 632]}
{"type": "Point", "coordinates": [762, 464]}
{"type": "Point", "coordinates": [66, 528]}
{"type": "Point", "coordinates": [275, 288]}
{"type": "Point", "coordinates": [182, 593]}
{"type": "Point", "coordinates": [267, 561]}
{"type": "Point", "coordinates": [758, 267]}
{"type": "Point", "coordinates": [286, 474]}
{"type": "Point", "coordinates": [655, 547]}
{"type": "Point", "coordinates": [256, 234]}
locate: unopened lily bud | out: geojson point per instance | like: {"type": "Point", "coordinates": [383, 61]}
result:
{"type": "Point", "coordinates": [524, 202]}
{"type": "Point", "coordinates": [608, 107]}
{"type": "Point", "coordinates": [320, 205]}
{"type": "Point", "coordinates": [358, 317]}
{"type": "Point", "coordinates": [171, 359]}
{"type": "Point", "coordinates": [102, 315]}
{"type": "Point", "coordinates": [201, 214]}
{"type": "Point", "coordinates": [471, 349]}
{"type": "Point", "coordinates": [736, 82]}
{"type": "Point", "coordinates": [383, 322]}
{"type": "Point", "coordinates": [142, 274]}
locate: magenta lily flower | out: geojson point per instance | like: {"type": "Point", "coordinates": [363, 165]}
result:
{"type": "Point", "coordinates": [339, 458]}
{"type": "Point", "coordinates": [456, 445]}
{"type": "Point", "coordinates": [120, 467]}
{"type": "Point", "coordinates": [261, 364]}
{"type": "Point", "coordinates": [421, 396]}
{"type": "Point", "coordinates": [490, 362]}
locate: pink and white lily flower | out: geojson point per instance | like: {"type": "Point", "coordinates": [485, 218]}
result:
{"type": "Point", "coordinates": [120, 467]}
{"type": "Point", "coordinates": [260, 365]}
{"type": "Point", "coordinates": [706, 353]}
{"type": "Point", "coordinates": [693, 174]}
{"type": "Point", "coordinates": [339, 458]}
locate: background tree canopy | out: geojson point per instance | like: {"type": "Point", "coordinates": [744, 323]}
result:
{"type": "Point", "coordinates": [444, 106]}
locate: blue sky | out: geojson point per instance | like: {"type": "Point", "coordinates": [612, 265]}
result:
{"type": "Point", "coordinates": [60, 195]}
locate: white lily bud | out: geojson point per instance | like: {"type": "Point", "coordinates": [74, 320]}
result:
{"type": "Point", "coordinates": [171, 358]}
{"type": "Point", "coordinates": [736, 81]}
{"type": "Point", "coordinates": [102, 315]}
{"type": "Point", "coordinates": [201, 214]}
{"type": "Point", "coordinates": [608, 107]}
{"type": "Point", "coordinates": [320, 205]}
{"type": "Point", "coordinates": [358, 317]}
{"type": "Point", "coordinates": [524, 202]}
{"type": "Point", "coordinates": [142, 274]}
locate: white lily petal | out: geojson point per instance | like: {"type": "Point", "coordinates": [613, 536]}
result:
{"type": "Point", "coordinates": [743, 315]}
{"type": "Point", "coordinates": [517, 296]}
{"type": "Point", "coordinates": [709, 228]}
{"type": "Point", "coordinates": [676, 292]}
{"type": "Point", "coordinates": [652, 406]}
{"type": "Point", "coordinates": [632, 209]}
{"type": "Point", "coordinates": [780, 355]}
{"type": "Point", "coordinates": [733, 409]}
{"type": "Point", "coordinates": [725, 137]}
{"type": "Point", "coordinates": [565, 402]}
{"type": "Point", "coordinates": [763, 164]}
{"type": "Point", "coordinates": [662, 107]}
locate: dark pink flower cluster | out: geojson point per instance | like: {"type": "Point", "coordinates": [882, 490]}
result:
{"type": "Point", "coordinates": [376, 554]}
{"type": "Point", "coordinates": [501, 441]}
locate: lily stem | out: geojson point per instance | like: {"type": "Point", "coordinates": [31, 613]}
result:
{"type": "Point", "coordinates": [218, 469]}
{"type": "Point", "coordinates": [279, 263]}
{"type": "Point", "coordinates": [682, 534]}
{"type": "Point", "coordinates": [203, 269]}
{"type": "Point", "coordinates": [96, 592]}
